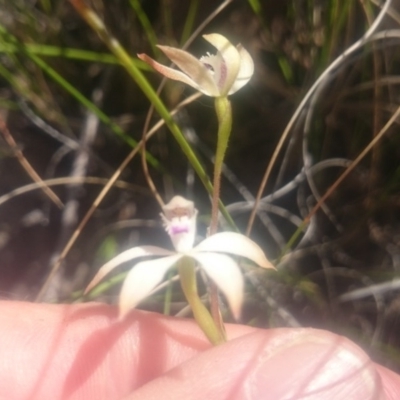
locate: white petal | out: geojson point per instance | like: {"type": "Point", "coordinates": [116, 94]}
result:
{"type": "Point", "coordinates": [128, 255]}
{"type": "Point", "coordinates": [170, 72]}
{"type": "Point", "coordinates": [246, 70]}
{"type": "Point", "coordinates": [226, 274]}
{"type": "Point", "coordinates": [141, 280]}
{"type": "Point", "coordinates": [237, 244]}
{"type": "Point", "coordinates": [193, 68]}
{"type": "Point", "coordinates": [225, 76]}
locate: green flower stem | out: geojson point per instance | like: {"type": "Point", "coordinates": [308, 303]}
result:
{"type": "Point", "coordinates": [168, 295]}
{"type": "Point", "coordinates": [187, 275]}
{"type": "Point", "coordinates": [224, 114]}
{"type": "Point", "coordinates": [189, 22]}
{"type": "Point", "coordinates": [223, 109]}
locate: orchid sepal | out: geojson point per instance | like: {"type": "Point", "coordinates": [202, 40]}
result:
{"type": "Point", "coordinates": [125, 256]}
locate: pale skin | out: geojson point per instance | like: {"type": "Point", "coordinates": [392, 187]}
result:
{"type": "Point", "coordinates": [83, 352]}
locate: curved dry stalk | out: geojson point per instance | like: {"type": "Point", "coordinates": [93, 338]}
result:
{"type": "Point", "coordinates": [64, 181]}
{"type": "Point", "coordinates": [145, 166]}
{"type": "Point", "coordinates": [370, 146]}
{"type": "Point", "coordinates": [378, 66]}
{"type": "Point", "coordinates": [324, 76]}
{"type": "Point", "coordinates": [368, 85]}
{"type": "Point", "coordinates": [372, 289]}
{"type": "Point", "coordinates": [307, 159]}
{"type": "Point", "coordinates": [245, 206]}
{"type": "Point", "coordinates": [390, 11]}
{"type": "Point", "coordinates": [27, 166]}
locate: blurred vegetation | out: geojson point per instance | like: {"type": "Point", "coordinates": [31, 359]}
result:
{"type": "Point", "coordinates": [73, 110]}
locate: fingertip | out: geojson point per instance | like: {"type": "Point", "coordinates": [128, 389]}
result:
{"type": "Point", "coordinates": [312, 364]}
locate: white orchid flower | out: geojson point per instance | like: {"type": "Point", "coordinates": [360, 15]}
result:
{"type": "Point", "coordinates": [180, 222]}
{"type": "Point", "coordinates": [216, 75]}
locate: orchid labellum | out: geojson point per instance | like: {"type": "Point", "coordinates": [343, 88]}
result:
{"type": "Point", "coordinates": [211, 256]}
{"type": "Point", "coordinates": [216, 75]}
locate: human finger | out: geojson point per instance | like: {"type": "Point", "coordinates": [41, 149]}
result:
{"type": "Point", "coordinates": [83, 351]}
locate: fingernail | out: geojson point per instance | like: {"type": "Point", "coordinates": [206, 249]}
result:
{"type": "Point", "coordinates": [313, 365]}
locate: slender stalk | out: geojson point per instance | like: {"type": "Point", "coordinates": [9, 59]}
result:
{"type": "Point", "coordinates": [189, 22]}
{"type": "Point", "coordinates": [168, 295]}
{"type": "Point", "coordinates": [146, 24]}
{"type": "Point", "coordinates": [187, 275]}
{"type": "Point", "coordinates": [224, 114]}
{"type": "Point", "coordinates": [223, 109]}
